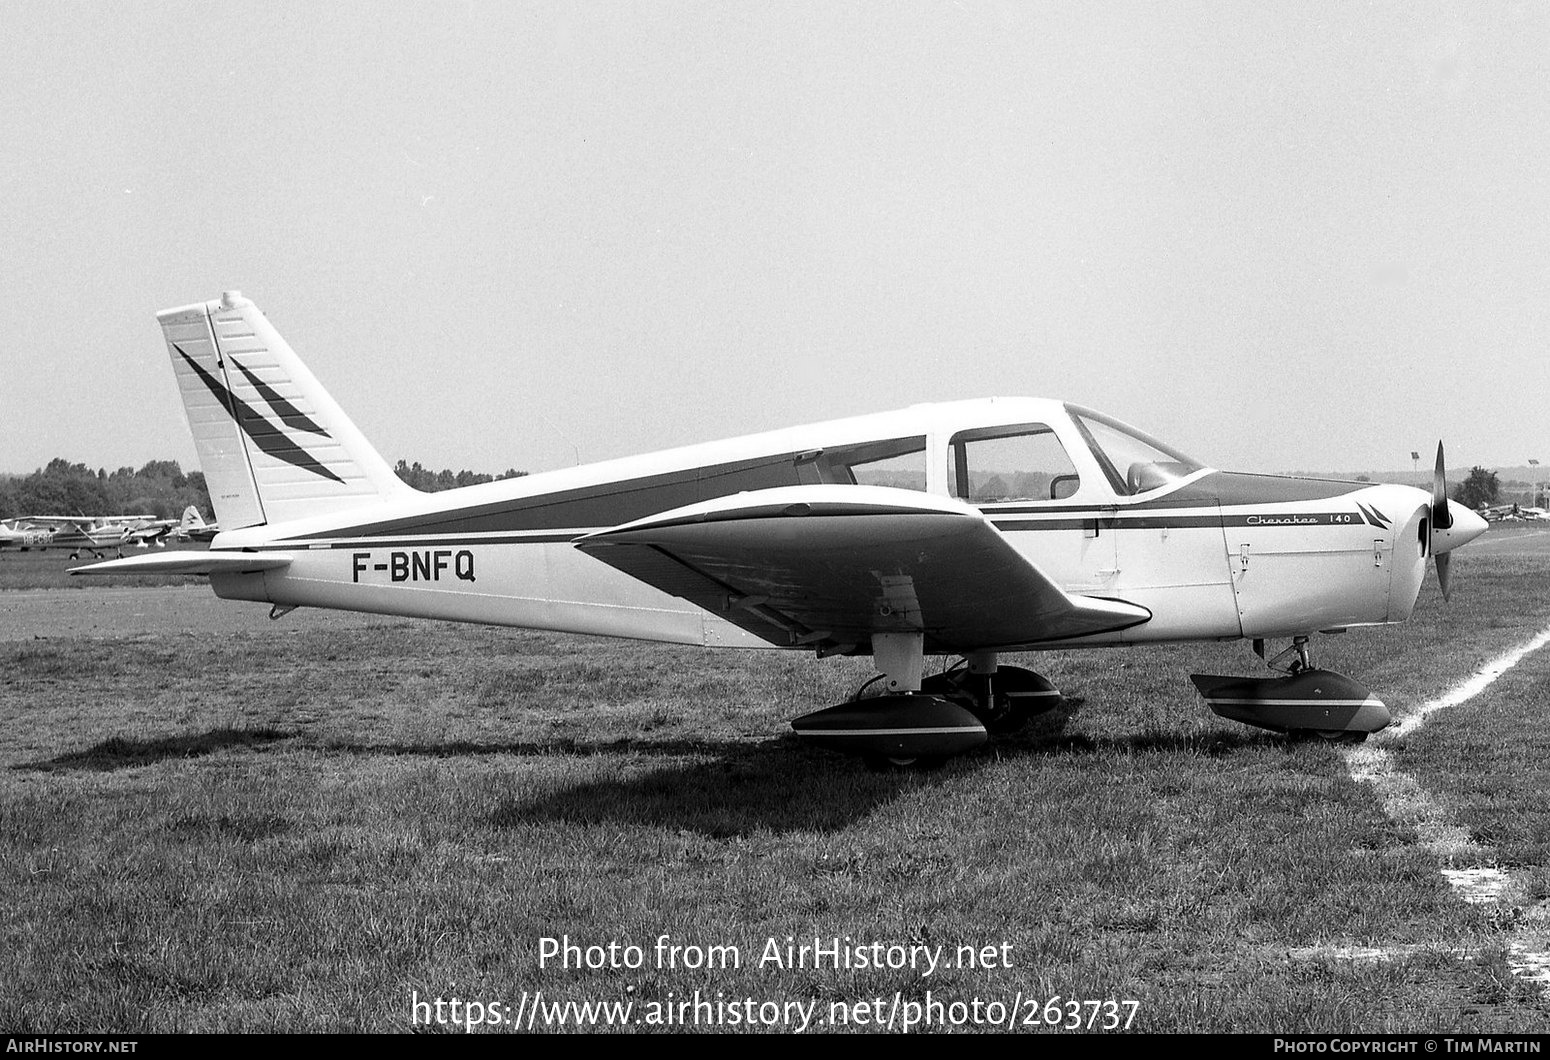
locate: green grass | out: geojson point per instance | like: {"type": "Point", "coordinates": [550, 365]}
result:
{"type": "Point", "coordinates": [50, 569]}
{"type": "Point", "coordinates": [302, 828]}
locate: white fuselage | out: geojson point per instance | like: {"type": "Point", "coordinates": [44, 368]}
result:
{"type": "Point", "coordinates": [1212, 555]}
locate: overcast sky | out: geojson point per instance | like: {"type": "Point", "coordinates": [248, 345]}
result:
{"type": "Point", "coordinates": [504, 234]}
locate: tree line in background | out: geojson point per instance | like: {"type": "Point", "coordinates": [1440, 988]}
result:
{"type": "Point", "coordinates": [423, 478]}
{"type": "Point", "coordinates": [1480, 488]}
{"type": "Point", "coordinates": [160, 488]}
{"type": "Point", "coordinates": [1483, 489]}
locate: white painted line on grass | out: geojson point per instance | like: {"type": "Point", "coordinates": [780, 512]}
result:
{"type": "Point", "coordinates": [1472, 687]}
{"type": "Point", "coordinates": [1407, 803]}
{"type": "Point", "coordinates": [1482, 886]}
{"type": "Point", "coordinates": [1533, 965]}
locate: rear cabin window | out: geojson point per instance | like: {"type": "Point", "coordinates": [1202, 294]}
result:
{"type": "Point", "coordinates": [1023, 462]}
{"type": "Point", "coordinates": [896, 462]}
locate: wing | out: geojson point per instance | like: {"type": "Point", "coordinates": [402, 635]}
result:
{"type": "Point", "coordinates": [151, 530]}
{"type": "Point", "coordinates": [191, 563]}
{"type": "Point", "coordinates": [829, 565]}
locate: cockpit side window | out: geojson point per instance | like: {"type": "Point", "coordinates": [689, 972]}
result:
{"type": "Point", "coordinates": [1021, 462]}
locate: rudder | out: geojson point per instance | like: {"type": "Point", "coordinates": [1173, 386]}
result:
{"type": "Point", "coordinates": [273, 444]}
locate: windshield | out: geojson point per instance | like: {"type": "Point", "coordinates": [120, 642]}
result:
{"type": "Point", "coordinates": [1133, 462]}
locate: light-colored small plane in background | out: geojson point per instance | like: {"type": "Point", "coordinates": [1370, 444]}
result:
{"type": "Point", "coordinates": [81, 533]}
{"type": "Point", "coordinates": [192, 527]}
{"type": "Point", "coordinates": [960, 529]}
{"type": "Point", "coordinates": [147, 532]}
{"type": "Point", "coordinates": [21, 534]}
{"type": "Point", "coordinates": [1513, 513]}
{"type": "Point", "coordinates": [98, 533]}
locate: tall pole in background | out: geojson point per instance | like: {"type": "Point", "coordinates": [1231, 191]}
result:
{"type": "Point", "coordinates": [1415, 464]}
{"type": "Point", "coordinates": [1535, 463]}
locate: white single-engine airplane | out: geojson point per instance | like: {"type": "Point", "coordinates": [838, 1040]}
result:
{"type": "Point", "coordinates": [20, 533]}
{"type": "Point", "coordinates": [97, 533]}
{"type": "Point", "coordinates": [192, 527]}
{"type": "Point", "coordinates": [966, 528]}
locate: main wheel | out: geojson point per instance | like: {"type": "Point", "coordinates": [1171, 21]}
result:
{"type": "Point", "coordinates": [1017, 695]}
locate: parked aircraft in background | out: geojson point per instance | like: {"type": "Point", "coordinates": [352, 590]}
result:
{"type": "Point", "coordinates": [83, 534]}
{"type": "Point", "coordinates": [192, 527]}
{"type": "Point", "coordinates": [965, 528]}
{"type": "Point", "coordinates": [150, 533]}
{"type": "Point", "coordinates": [97, 534]}
{"type": "Point", "coordinates": [1513, 513]}
{"type": "Point", "coordinates": [20, 534]}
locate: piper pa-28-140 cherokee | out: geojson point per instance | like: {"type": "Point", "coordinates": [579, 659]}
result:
{"type": "Point", "coordinates": [965, 528]}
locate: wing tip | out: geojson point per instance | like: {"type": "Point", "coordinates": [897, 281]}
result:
{"type": "Point", "coordinates": [188, 563]}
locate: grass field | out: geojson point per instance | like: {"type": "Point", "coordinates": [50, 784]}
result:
{"type": "Point", "coordinates": [211, 822]}
{"type": "Point", "coordinates": [50, 568]}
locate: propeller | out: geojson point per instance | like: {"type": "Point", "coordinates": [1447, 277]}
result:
{"type": "Point", "coordinates": [1442, 519]}
{"type": "Point", "coordinates": [1452, 524]}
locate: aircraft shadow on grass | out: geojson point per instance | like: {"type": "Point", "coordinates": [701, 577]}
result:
{"type": "Point", "coordinates": [732, 787]}
{"type": "Point", "coordinates": [783, 786]}
{"type": "Point", "coordinates": [120, 753]}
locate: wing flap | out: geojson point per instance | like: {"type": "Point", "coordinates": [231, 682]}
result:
{"type": "Point", "coordinates": [832, 565]}
{"type": "Point", "coordinates": [191, 563]}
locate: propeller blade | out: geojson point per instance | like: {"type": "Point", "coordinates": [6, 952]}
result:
{"type": "Point", "coordinates": [1441, 517]}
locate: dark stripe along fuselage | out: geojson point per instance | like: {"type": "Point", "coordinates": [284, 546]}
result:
{"type": "Point", "coordinates": [1303, 566]}
{"type": "Point", "coordinates": [568, 514]}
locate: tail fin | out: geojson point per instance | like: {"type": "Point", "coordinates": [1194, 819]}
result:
{"type": "Point", "coordinates": [191, 520]}
{"type": "Point", "coordinates": [273, 445]}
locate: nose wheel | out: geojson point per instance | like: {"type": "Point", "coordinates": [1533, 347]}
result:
{"type": "Point", "coordinates": [1305, 701]}
{"type": "Point", "coordinates": [1336, 736]}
